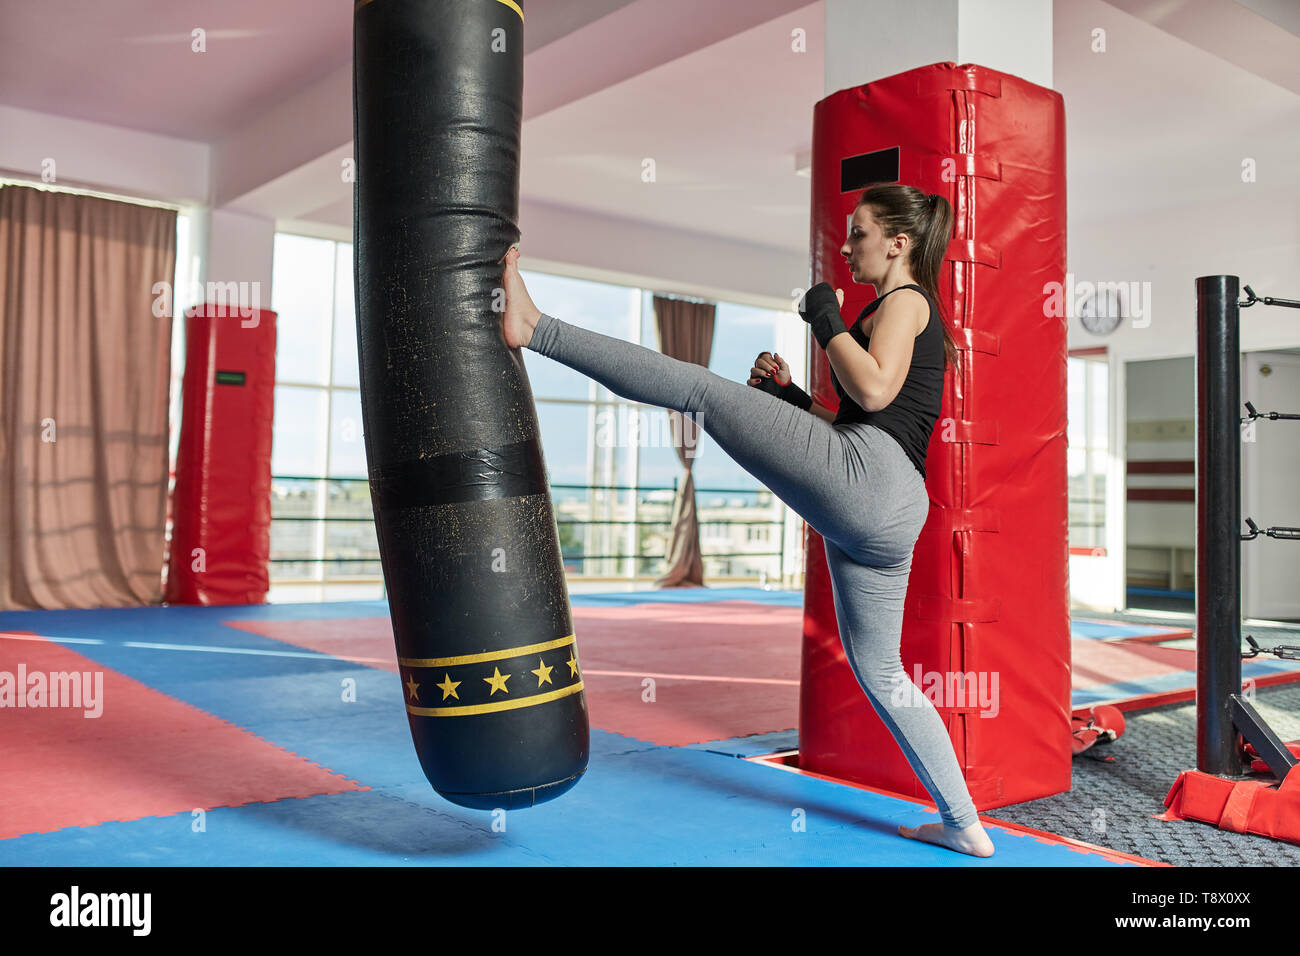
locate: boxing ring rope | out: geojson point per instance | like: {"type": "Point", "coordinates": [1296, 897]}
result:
{"type": "Point", "coordinates": [1222, 712]}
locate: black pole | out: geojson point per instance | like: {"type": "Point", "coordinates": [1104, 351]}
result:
{"type": "Point", "coordinates": [467, 531]}
{"type": "Point", "coordinates": [1218, 523]}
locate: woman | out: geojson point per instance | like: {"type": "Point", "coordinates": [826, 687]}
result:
{"type": "Point", "coordinates": [856, 476]}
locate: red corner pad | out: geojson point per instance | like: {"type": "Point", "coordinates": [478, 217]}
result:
{"type": "Point", "coordinates": [1259, 807]}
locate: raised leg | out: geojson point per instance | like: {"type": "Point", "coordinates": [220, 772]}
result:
{"type": "Point", "coordinates": [801, 458]}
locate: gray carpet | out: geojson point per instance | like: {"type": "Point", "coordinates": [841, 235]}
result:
{"type": "Point", "coordinates": [1114, 803]}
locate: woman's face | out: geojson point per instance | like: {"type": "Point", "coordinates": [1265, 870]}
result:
{"type": "Point", "coordinates": [866, 250]}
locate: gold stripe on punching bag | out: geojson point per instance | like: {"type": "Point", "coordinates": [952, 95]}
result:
{"type": "Point", "coordinates": [509, 3]}
{"type": "Point", "coordinates": [453, 452]}
{"type": "Point", "coordinates": [492, 681]}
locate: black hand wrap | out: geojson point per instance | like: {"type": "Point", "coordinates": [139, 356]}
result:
{"type": "Point", "coordinates": [789, 392]}
{"type": "Point", "coordinates": [820, 309]}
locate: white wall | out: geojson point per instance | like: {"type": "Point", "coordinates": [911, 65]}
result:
{"type": "Point", "coordinates": [240, 250]}
{"type": "Point", "coordinates": [1253, 237]}
{"type": "Point", "coordinates": [106, 158]}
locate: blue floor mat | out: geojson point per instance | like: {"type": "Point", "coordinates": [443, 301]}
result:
{"type": "Point", "coordinates": [638, 804]}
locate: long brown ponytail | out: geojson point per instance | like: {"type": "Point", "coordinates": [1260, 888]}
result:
{"type": "Point", "coordinates": [927, 219]}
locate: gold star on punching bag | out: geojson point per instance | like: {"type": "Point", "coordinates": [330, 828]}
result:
{"type": "Point", "coordinates": [413, 687]}
{"type": "Point", "coordinates": [448, 687]}
{"type": "Point", "coordinates": [543, 673]}
{"type": "Point", "coordinates": [573, 666]}
{"type": "Point", "coordinates": [497, 681]}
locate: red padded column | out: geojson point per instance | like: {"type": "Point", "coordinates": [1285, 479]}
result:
{"type": "Point", "coordinates": [988, 592]}
{"type": "Point", "coordinates": [221, 506]}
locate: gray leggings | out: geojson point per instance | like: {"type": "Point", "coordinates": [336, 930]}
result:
{"type": "Point", "coordinates": [852, 483]}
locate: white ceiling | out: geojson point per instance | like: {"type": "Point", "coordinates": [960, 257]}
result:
{"type": "Point", "coordinates": [1158, 120]}
{"type": "Point", "coordinates": [130, 63]}
{"type": "Point", "coordinates": [709, 89]}
{"type": "Point", "coordinates": [722, 125]}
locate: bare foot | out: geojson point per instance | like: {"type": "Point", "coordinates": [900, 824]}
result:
{"type": "Point", "coordinates": [521, 315]}
{"type": "Point", "coordinates": [972, 839]}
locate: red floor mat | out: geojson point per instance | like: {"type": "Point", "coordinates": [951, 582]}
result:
{"type": "Point", "coordinates": [147, 755]}
{"type": "Point", "coordinates": [720, 670]}
{"type": "Point", "coordinates": [1105, 662]}
{"type": "Point", "coordinates": [362, 640]}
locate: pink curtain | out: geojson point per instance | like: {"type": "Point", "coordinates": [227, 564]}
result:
{"type": "Point", "coordinates": [686, 333]}
{"type": "Point", "coordinates": [84, 376]}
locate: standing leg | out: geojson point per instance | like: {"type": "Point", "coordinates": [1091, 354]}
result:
{"type": "Point", "coordinates": [869, 610]}
{"type": "Point", "coordinates": [801, 458]}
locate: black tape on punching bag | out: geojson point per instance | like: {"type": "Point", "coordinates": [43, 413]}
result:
{"type": "Point", "coordinates": [467, 534]}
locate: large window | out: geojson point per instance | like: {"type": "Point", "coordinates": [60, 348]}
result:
{"type": "Point", "coordinates": [611, 464]}
{"type": "Point", "coordinates": [322, 525]}
{"type": "Point", "coordinates": [1087, 408]}
{"type": "Point", "coordinates": [183, 299]}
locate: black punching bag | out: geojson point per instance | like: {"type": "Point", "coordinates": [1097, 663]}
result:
{"type": "Point", "coordinates": [467, 533]}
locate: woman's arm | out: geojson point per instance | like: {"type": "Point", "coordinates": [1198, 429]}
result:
{"type": "Point", "coordinates": [873, 378]}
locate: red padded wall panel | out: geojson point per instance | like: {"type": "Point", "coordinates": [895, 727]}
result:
{"type": "Point", "coordinates": [221, 505]}
{"type": "Point", "coordinates": [988, 592]}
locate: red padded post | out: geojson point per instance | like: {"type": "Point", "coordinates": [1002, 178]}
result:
{"type": "Point", "coordinates": [221, 505]}
{"type": "Point", "coordinates": [988, 593]}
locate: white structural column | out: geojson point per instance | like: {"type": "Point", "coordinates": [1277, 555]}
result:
{"type": "Point", "coordinates": [238, 257]}
{"type": "Point", "coordinates": [870, 39]}
{"type": "Point", "coordinates": [867, 40]}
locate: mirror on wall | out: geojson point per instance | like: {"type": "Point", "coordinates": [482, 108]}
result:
{"type": "Point", "coordinates": [1160, 484]}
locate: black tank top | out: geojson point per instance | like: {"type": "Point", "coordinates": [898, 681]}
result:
{"type": "Point", "coordinates": [911, 416]}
